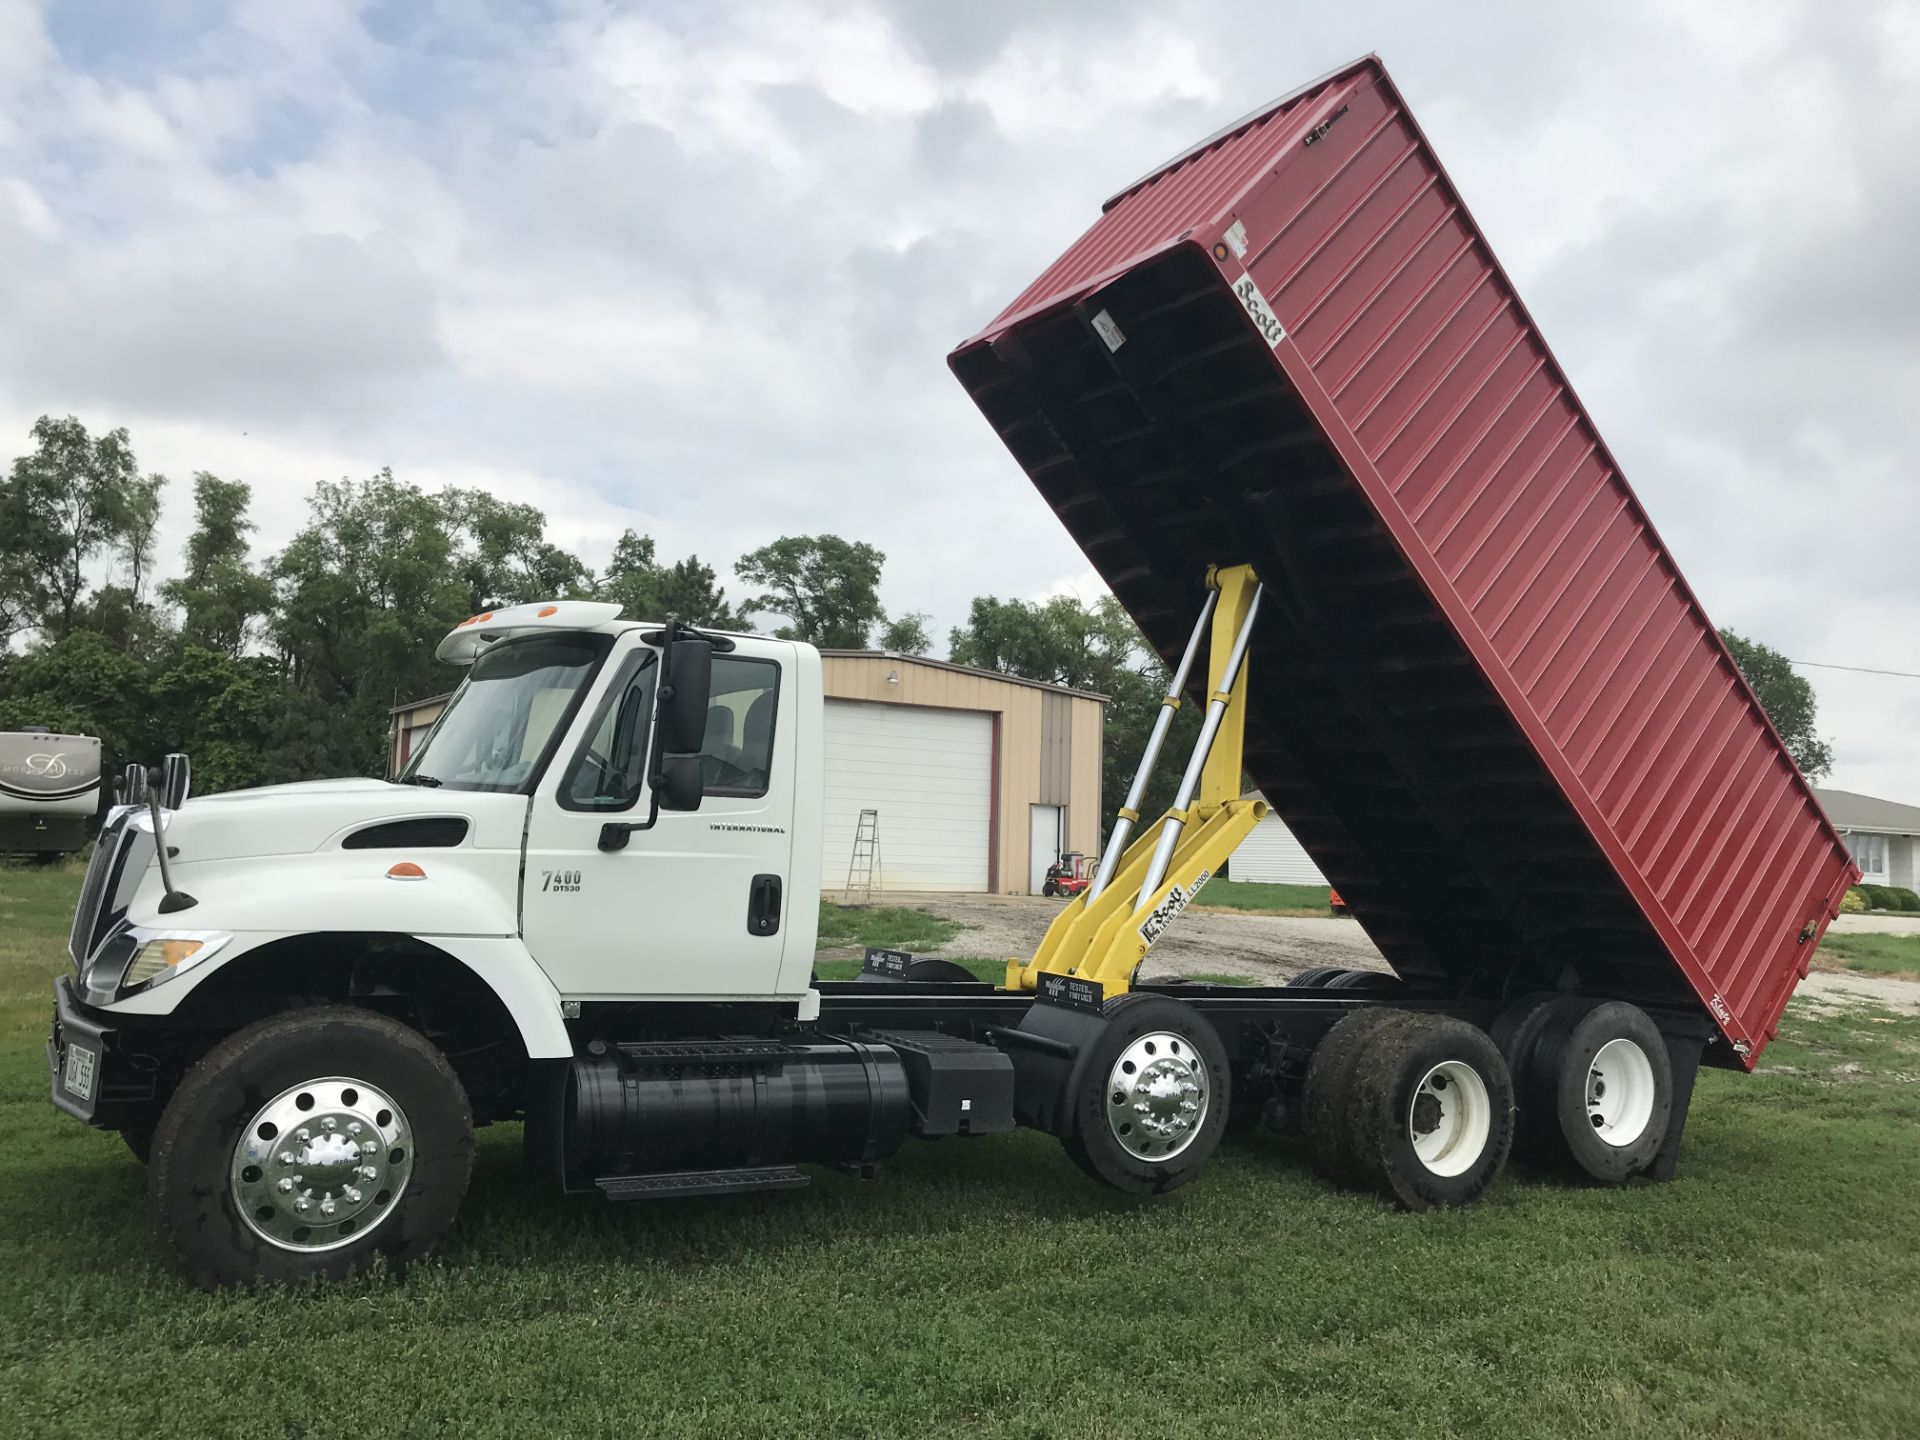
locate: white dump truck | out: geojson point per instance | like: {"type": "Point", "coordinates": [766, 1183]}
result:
{"type": "Point", "coordinates": [1291, 409]}
{"type": "Point", "coordinates": [49, 790]}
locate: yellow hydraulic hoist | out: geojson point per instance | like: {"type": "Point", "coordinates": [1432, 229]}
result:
{"type": "Point", "coordinates": [1140, 888]}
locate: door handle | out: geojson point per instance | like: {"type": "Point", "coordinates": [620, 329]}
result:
{"type": "Point", "coordinates": [763, 905]}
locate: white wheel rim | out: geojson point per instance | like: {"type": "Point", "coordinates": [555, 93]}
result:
{"type": "Point", "coordinates": [1157, 1096]}
{"type": "Point", "coordinates": [1620, 1093]}
{"type": "Point", "coordinates": [1450, 1118]}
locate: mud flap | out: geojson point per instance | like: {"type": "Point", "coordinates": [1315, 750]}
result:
{"type": "Point", "coordinates": [1048, 1050]}
{"type": "Point", "coordinates": [1683, 1054]}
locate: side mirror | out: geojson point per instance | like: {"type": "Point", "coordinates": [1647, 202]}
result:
{"type": "Point", "coordinates": [679, 784]}
{"type": "Point", "coordinates": [680, 722]}
{"type": "Point", "coordinates": [176, 778]}
{"type": "Point", "coordinates": [685, 682]}
{"type": "Point", "coordinates": [133, 785]}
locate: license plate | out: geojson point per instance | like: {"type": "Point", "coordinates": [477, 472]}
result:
{"type": "Point", "coordinates": [81, 1064]}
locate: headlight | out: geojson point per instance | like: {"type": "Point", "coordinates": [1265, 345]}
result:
{"type": "Point", "coordinates": [162, 956]}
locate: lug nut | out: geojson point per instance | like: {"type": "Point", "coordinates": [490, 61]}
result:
{"type": "Point", "coordinates": [303, 1134]}
{"type": "Point", "coordinates": [302, 1205]}
{"type": "Point", "coordinates": [286, 1157]}
{"type": "Point", "coordinates": [368, 1147]}
{"type": "Point", "coordinates": [354, 1127]}
{"type": "Point", "coordinates": [353, 1195]}
{"type": "Point", "coordinates": [326, 1206]}
{"type": "Point", "coordinates": [285, 1187]}
{"type": "Point", "coordinates": [329, 1123]}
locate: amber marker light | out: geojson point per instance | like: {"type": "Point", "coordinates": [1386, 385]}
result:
{"type": "Point", "coordinates": [406, 870]}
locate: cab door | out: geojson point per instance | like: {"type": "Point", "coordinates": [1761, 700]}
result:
{"type": "Point", "coordinates": [695, 904]}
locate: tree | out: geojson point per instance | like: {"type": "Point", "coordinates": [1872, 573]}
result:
{"type": "Point", "coordinates": [59, 508]}
{"type": "Point", "coordinates": [1788, 699]}
{"type": "Point", "coordinates": [906, 634]}
{"type": "Point", "coordinates": [828, 588]}
{"type": "Point", "coordinates": [139, 519]}
{"type": "Point", "coordinates": [1064, 641]}
{"type": "Point", "coordinates": [503, 553]}
{"type": "Point", "coordinates": [363, 595]}
{"type": "Point", "coordinates": [221, 596]}
{"type": "Point", "coordinates": [644, 589]}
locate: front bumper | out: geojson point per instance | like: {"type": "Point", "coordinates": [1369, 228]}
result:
{"type": "Point", "coordinates": [93, 1077]}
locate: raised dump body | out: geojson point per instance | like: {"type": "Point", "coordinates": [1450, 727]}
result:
{"type": "Point", "coordinates": [1482, 695]}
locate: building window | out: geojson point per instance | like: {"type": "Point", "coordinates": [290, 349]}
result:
{"type": "Point", "coordinates": [1870, 854]}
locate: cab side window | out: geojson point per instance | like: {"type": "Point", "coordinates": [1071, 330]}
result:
{"type": "Point", "coordinates": [737, 757]}
{"type": "Point", "coordinates": [611, 768]}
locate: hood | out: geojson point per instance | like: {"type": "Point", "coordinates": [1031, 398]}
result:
{"type": "Point", "coordinates": [315, 815]}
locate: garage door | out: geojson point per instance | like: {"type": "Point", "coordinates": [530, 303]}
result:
{"type": "Point", "coordinates": [930, 775]}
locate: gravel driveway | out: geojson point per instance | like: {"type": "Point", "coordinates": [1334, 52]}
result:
{"type": "Point", "coordinates": [1201, 942]}
{"type": "Point", "coordinates": [1272, 947]}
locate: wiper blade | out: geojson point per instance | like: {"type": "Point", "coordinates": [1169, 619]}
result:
{"type": "Point", "coordinates": [427, 780]}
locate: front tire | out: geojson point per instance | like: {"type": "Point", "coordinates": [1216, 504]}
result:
{"type": "Point", "coordinates": [1153, 1096]}
{"type": "Point", "coordinates": [311, 1144]}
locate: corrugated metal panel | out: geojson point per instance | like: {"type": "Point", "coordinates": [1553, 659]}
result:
{"type": "Point", "coordinates": [1056, 749]}
{"type": "Point", "coordinates": [1496, 533]}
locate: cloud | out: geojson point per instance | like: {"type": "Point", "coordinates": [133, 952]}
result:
{"type": "Point", "coordinates": [696, 270]}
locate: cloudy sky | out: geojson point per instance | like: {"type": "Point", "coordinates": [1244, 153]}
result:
{"type": "Point", "coordinates": [695, 267]}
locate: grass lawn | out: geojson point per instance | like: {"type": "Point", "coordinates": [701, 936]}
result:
{"type": "Point", "coordinates": [1273, 899]}
{"type": "Point", "coordinates": [887, 927]}
{"type": "Point", "coordinates": [984, 1288]}
{"type": "Point", "coordinates": [1881, 954]}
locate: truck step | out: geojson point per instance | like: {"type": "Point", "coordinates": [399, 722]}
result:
{"type": "Point", "coordinates": [671, 1184]}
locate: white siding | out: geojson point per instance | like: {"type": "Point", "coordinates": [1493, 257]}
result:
{"type": "Point", "coordinates": [1271, 856]}
{"type": "Point", "coordinates": [930, 775]}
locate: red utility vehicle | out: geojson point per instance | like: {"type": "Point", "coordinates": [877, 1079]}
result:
{"type": "Point", "coordinates": [1067, 876]}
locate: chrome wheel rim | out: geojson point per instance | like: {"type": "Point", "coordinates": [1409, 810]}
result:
{"type": "Point", "coordinates": [322, 1164]}
{"type": "Point", "coordinates": [1620, 1093]}
{"type": "Point", "coordinates": [1157, 1096]}
{"type": "Point", "coordinates": [1450, 1118]}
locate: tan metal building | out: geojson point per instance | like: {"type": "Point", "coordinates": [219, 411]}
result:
{"type": "Point", "coordinates": [979, 779]}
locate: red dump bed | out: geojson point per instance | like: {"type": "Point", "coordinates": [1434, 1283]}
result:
{"type": "Point", "coordinates": [1481, 693]}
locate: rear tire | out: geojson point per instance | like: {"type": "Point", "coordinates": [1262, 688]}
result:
{"type": "Point", "coordinates": [1432, 1113]}
{"type": "Point", "coordinates": [1596, 1088]}
{"type": "Point", "coordinates": [1314, 975]}
{"type": "Point", "coordinates": [1365, 980]}
{"type": "Point", "coordinates": [238, 1119]}
{"type": "Point", "coordinates": [1162, 1055]}
{"type": "Point", "coordinates": [1328, 1099]}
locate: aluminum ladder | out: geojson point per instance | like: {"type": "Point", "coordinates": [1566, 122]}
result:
{"type": "Point", "coordinates": [865, 861]}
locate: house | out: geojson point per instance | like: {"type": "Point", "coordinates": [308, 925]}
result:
{"type": "Point", "coordinates": [1271, 856]}
{"type": "Point", "coordinates": [1883, 835]}
{"type": "Point", "coordinates": [981, 780]}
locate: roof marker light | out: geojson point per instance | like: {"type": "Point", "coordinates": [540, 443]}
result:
{"type": "Point", "coordinates": [545, 610]}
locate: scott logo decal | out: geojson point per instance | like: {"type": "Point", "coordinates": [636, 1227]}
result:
{"type": "Point", "coordinates": [1255, 304]}
{"type": "Point", "coordinates": [1168, 910]}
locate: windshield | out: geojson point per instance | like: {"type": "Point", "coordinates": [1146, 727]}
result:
{"type": "Point", "coordinates": [501, 721]}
